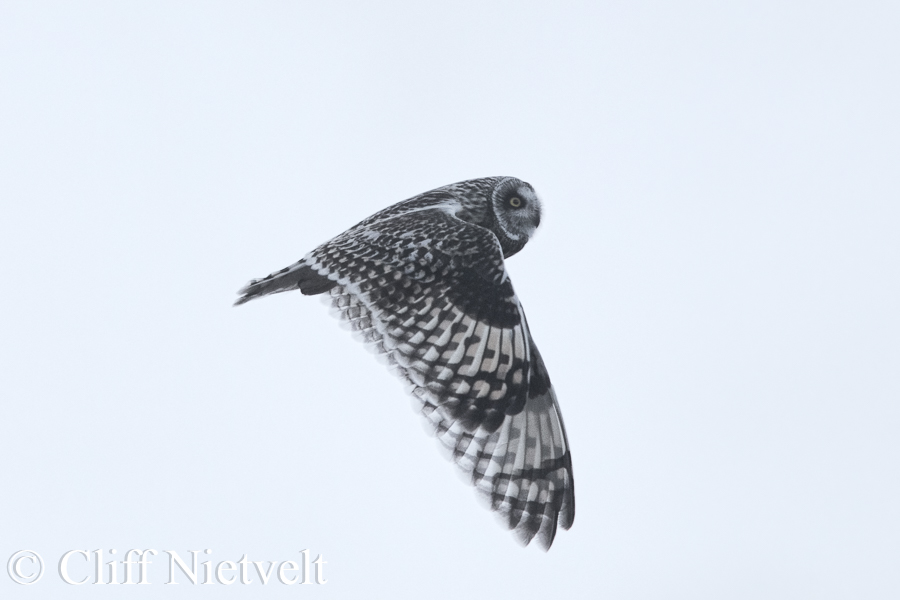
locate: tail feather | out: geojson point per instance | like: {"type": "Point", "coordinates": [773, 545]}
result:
{"type": "Point", "coordinates": [299, 276]}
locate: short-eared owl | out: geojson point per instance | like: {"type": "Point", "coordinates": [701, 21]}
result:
{"type": "Point", "coordinates": [423, 282]}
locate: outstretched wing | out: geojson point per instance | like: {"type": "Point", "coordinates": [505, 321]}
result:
{"type": "Point", "coordinates": [430, 293]}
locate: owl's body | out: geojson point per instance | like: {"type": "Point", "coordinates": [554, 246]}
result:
{"type": "Point", "coordinates": [424, 284]}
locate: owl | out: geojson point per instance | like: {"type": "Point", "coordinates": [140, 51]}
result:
{"type": "Point", "coordinates": [423, 284]}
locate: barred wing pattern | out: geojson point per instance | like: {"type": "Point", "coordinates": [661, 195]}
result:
{"type": "Point", "coordinates": [430, 294]}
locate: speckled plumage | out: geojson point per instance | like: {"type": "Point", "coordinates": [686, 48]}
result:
{"type": "Point", "coordinates": [423, 283]}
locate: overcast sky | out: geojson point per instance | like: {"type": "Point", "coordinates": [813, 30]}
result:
{"type": "Point", "coordinates": [714, 289]}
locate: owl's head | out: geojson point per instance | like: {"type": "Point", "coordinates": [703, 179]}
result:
{"type": "Point", "coordinates": [517, 213]}
{"type": "Point", "coordinates": [505, 205]}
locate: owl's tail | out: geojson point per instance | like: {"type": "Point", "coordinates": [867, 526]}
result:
{"type": "Point", "coordinates": [299, 276]}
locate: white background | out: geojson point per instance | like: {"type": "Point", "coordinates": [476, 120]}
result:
{"type": "Point", "coordinates": [714, 289]}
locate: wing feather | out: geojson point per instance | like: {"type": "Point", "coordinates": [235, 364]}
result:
{"type": "Point", "coordinates": [523, 468]}
{"type": "Point", "coordinates": [429, 295]}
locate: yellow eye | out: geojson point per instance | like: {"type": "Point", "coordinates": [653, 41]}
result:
{"type": "Point", "coordinates": [515, 202]}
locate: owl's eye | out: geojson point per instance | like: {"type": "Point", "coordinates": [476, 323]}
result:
{"type": "Point", "coordinates": [515, 202]}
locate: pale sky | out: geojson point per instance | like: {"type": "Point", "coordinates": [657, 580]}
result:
{"type": "Point", "coordinates": [714, 290]}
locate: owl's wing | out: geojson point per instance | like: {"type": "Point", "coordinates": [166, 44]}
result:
{"type": "Point", "coordinates": [430, 293]}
